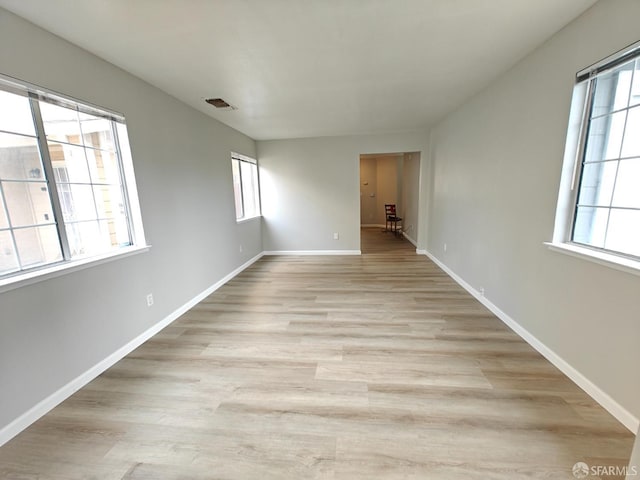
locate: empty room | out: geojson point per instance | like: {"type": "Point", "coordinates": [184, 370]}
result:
{"type": "Point", "coordinates": [339, 239]}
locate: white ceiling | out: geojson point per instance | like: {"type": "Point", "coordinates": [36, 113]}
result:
{"type": "Point", "coordinates": [305, 68]}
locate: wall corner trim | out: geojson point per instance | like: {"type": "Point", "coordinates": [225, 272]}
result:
{"type": "Point", "coordinates": [601, 397]}
{"type": "Point", "coordinates": [43, 407]}
{"type": "Point", "coordinates": [411, 240]}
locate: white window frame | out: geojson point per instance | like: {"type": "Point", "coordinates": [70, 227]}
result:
{"type": "Point", "coordinates": [575, 147]}
{"type": "Point", "coordinates": [137, 243]}
{"type": "Point", "coordinates": [240, 216]}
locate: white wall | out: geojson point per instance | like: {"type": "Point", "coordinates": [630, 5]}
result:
{"type": "Point", "coordinates": [496, 171]}
{"type": "Point", "coordinates": [310, 188]}
{"type": "Point", "coordinates": [55, 330]}
{"type": "Point", "coordinates": [369, 191]}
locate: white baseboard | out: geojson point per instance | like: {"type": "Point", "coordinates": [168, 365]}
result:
{"type": "Point", "coordinates": [41, 408]}
{"type": "Point", "coordinates": [313, 252]}
{"type": "Point", "coordinates": [614, 408]}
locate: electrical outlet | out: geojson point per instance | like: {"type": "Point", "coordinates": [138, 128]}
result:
{"type": "Point", "coordinates": [240, 248]}
{"type": "Point", "coordinates": [149, 299]}
{"type": "Point", "coordinates": [445, 247]}
{"type": "Point", "coordinates": [482, 291]}
{"type": "Point", "coordinates": [336, 236]}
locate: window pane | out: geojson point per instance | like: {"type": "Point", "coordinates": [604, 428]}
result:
{"type": "Point", "coordinates": [237, 190]}
{"type": "Point", "coordinates": [19, 158]}
{"type": "Point", "coordinates": [628, 184]}
{"type": "Point", "coordinates": [631, 146]}
{"type": "Point", "coordinates": [111, 207]}
{"type": "Point", "coordinates": [28, 203]}
{"type": "Point", "coordinates": [117, 230]}
{"type": "Point", "coordinates": [77, 202]}
{"type": "Point", "coordinates": [111, 234]}
{"type": "Point", "coordinates": [61, 124]}
{"type": "Point", "coordinates": [38, 245]}
{"type": "Point", "coordinates": [96, 132]}
{"type": "Point", "coordinates": [596, 185]}
{"type": "Point", "coordinates": [612, 90]}
{"type": "Point", "coordinates": [591, 226]}
{"type": "Point", "coordinates": [605, 137]}
{"type": "Point", "coordinates": [97, 237]}
{"type": "Point", "coordinates": [635, 87]}
{"type": "Point", "coordinates": [15, 114]}
{"type": "Point", "coordinates": [103, 166]}
{"type": "Point", "coordinates": [109, 202]}
{"type": "Point", "coordinates": [72, 159]}
{"type": "Point", "coordinates": [624, 232]}
{"type": "Point", "coordinates": [8, 259]}
{"type": "Point", "coordinates": [4, 221]}
{"type": "Point", "coordinates": [86, 238]}
{"type": "Point", "coordinates": [250, 189]}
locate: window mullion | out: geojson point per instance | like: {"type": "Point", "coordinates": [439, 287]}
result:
{"type": "Point", "coordinates": [51, 181]}
{"type": "Point", "coordinates": [241, 187]}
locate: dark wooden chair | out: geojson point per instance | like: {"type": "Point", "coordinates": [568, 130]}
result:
{"type": "Point", "coordinates": [392, 219]}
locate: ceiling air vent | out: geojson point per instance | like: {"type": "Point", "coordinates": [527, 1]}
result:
{"type": "Point", "coordinates": [220, 103]}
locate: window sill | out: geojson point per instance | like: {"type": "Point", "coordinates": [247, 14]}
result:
{"type": "Point", "coordinates": [616, 262]}
{"type": "Point", "coordinates": [41, 274]}
{"type": "Point", "coordinates": [245, 220]}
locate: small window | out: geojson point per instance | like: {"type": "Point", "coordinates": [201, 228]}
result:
{"type": "Point", "coordinates": [602, 186]}
{"type": "Point", "coordinates": [246, 186]}
{"type": "Point", "coordinates": [64, 193]}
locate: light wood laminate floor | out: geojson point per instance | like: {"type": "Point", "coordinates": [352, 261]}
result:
{"type": "Point", "coordinates": [358, 367]}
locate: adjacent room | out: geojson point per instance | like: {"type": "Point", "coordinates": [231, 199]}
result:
{"type": "Point", "coordinates": [331, 240]}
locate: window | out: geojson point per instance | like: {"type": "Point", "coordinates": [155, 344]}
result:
{"type": "Point", "coordinates": [246, 187]}
{"type": "Point", "coordinates": [601, 178]}
{"type": "Point", "coordinates": [65, 170]}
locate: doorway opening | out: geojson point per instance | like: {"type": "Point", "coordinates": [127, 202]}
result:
{"type": "Point", "coordinates": [388, 179]}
